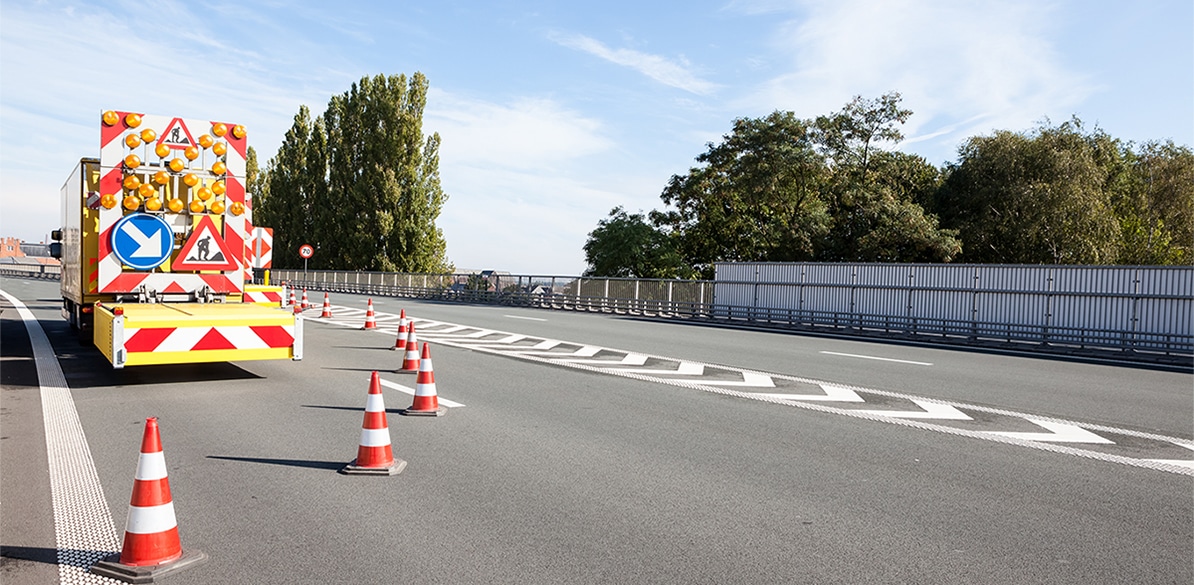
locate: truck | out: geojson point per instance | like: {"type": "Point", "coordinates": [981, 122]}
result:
{"type": "Point", "coordinates": [158, 244]}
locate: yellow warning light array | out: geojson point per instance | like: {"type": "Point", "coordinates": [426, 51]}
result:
{"type": "Point", "coordinates": [132, 202]}
{"type": "Point", "coordinates": [219, 130]}
{"type": "Point", "coordinates": [177, 165]}
{"type": "Point", "coordinates": [191, 153]}
{"type": "Point", "coordinates": [132, 161]}
{"type": "Point", "coordinates": [191, 179]}
{"type": "Point", "coordinates": [220, 148]}
{"type": "Point", "coordinates": [132, 141]}
{"type": "Point", "coordinates": [219, 168]}
{"type": "Point", "coordinates": [238, 131]}
{"type": "Point", "coordinates": [217, 207]}
{"type": "Point", "coordinates": [111, 118]}
{"type": "Point", "coordinates": [161, 177]}
{"type": "Point", "coordinates": [206, 141]}
{"type": "Point", "coordinates": [153, 204]}
{"type": "Point", "coordinates": [108, 201]}
{"type": "Point", "coordinates": [218, 188]}
{"type": "Point", "coordinates": [148, 135]}
{"type": "Point", "coordinates": [176, 205]}
{"type": "Point", "coordinates": [131, 182]}
{"type": "Point", "coordinates": [236, 208]}
{"type": "Point", "coordinates": [204, 193]}
{"type": "Point", "coordinates": [146, 191]}
{"type": "Point", "coordinates": [133, 120]}
{"type": "Point", "coordinates": [162, 150]}
{"type": "Point", "coordinates": [196, 206]}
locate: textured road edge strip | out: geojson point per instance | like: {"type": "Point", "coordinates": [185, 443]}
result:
{"type": "Point", "coordinates": [83, 527]}
{"type": "Point", "coordinates": [430, 336]}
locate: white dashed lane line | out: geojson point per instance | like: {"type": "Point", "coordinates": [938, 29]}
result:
{"type": "Point", "coordinates": [871, 357]}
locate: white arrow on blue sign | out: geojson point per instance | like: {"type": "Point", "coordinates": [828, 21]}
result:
{"type": "Point", "coordinates": [142, 241]}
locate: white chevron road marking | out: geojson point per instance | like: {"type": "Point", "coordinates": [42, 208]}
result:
{"type": "Point", "coordinates": [682, 369]}
{"type": "Point", "coordinates": [832, 394]}
{"type": "Point", "coordinates": [749, 380]}
{"type": "Point", "coordinates": [1058, 433]}
{"type": "Point", "coordinates": [931, 410]}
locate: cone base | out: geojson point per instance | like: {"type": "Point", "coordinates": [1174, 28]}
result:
{"type": "Point", "coordinates": [437, 412]}
{"type": "Point", "coordinates": [392, 469]}
{"type": "Point", "coordinates": [110, 567]}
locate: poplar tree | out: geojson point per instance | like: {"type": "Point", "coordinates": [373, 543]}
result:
{"type": "Point", "coordinates": [361, 182]}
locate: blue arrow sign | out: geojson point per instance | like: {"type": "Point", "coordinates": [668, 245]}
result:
{"type": "Point", "coordinates": [142, 241]}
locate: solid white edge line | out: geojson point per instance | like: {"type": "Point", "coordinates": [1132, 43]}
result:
{"type": "Point", "coordinates": [871, 357]}
{"type": "Point", "coordinates": [83, 528]}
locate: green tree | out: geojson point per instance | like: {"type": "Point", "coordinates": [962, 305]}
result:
{"type": "Point", "coordinates": [625, 245]}
{"type": "Point", "coordinates": [361, 182]}
{"type": "Point", "coordinates": [1033, 198]}
{"type": "Point", "coordinates": [1156, 210]}
{"type": "Point", "coordinates": [875, 196]}
{"type": "Point", "coordinates": [756, 197]}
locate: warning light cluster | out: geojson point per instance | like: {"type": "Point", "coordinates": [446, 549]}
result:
{"type": "Point", "coordinates": [201, 184]}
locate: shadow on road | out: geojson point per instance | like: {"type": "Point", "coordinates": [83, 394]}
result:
{"type": "Point", "coordinates": [330, 465]}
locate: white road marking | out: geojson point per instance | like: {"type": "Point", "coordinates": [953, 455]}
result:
{"type": "Point", "coordinates": [83, 528]}
{"type": "Point", "coordinates": [1059, 433]}
{"type": "Point", "coordinates": [408, 390]}
{"type": "Point", "coordinates": [1064, 430]}
{"type": "Point", "coordinates": [523, 318]}
{"type": "Point", "coordinates": [832, 394]}
{"type": "Point", "coordinates": [871, 357]}
{"type": "Point", "coordinates": [932, 410]}
{"type": "Point", "coordinates": [749, 379]}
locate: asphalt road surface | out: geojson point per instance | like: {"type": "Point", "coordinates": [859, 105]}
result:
{"type": "Point", "coordinates": [592, 448]}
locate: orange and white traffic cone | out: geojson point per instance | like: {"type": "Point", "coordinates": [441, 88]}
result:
{"type": "Point", "coordinates": [327, 308]}
{"type": "Point", "coordinates": [370, 318]}
{"type": "Point", "coordinates": [306, 305]}
{"type": "Point", "coordinates": [375, 455]}
{"type": "Point", "coordinates": [400, 341]}
{"type": "Point", "coordinates": [410, 361]}
{"type": "Point", "coordinates": [151, 545]}
{"type": "Point", "coordinates": [426, 400]}
{"type": "Point", "coordinates": [293, 302]}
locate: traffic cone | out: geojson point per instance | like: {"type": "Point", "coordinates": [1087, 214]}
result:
{"type": "Point", "coordinates": [426, 400]}
{"type": "Point", "coordinates": [375, 456]}
{"type": "Point", "coordinates": [400, 341]}
{"type": "Point", "coordinates": [293, 302]}
{"type": "Point", "coordinates": [306, 305]}
{"type": "Point", "coordinates": [327, 308]}
{"type": "Point", "coordinates": [151, 545]}
{"type": "Point", "coordinates": [410, 362]}
{"type": "Point", "coordinates": [370, 319]}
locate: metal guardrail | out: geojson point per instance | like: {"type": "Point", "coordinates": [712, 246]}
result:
{"type": "Point", "coordinates": [45, 271]}
{"type": "Point", "coordinates": [694, 301]}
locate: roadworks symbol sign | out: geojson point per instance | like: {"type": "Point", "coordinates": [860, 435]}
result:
{"type": "Point", "coordinates": [205, 250]}
{"type": "Point", "coordinates": [177, 135]}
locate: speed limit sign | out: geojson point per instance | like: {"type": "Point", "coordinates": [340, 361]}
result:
{"type": "Point", "coordinates": [306, 251]}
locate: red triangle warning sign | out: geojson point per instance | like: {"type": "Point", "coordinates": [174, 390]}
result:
{"type": "Point", "coordinates": [176, 135]}
{"type": "Point", "coordinates": [205, 250]}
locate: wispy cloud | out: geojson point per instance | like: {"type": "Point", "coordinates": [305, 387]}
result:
{"type": "Point", "coordinates": [963, 67]}
{"type": "Point", "coordinates": [666, 71]}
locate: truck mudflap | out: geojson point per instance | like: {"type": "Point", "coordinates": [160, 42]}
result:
{"type": "Point", "coordinates": [136, 334]}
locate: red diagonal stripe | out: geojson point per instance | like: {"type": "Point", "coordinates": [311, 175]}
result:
{"type": "Point", "coordinates": [274, 335]}
{"type": "Point", "coordinates": [147, 339]}
{"type": "Point", "coordinates": [213, 340]}
{"type": "Point", "coordinates": [151, 492]}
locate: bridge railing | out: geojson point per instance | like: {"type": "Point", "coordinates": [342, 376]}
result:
{"type": "Point", "coordinates": [46, 271]}
{"type": "Point", "coordinates": [695, 300]}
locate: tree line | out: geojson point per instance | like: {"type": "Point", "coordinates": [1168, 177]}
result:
{"type": "Point", "coordinates": [360, 183]}
{"type": "Point", "coordinates": [785, 189]}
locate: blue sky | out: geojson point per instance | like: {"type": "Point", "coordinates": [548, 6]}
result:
{"type": "Point", "coordinates": [553, 113]}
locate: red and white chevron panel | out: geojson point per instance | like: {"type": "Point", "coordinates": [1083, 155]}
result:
{"type": "Point", "coordinates": [111, 276]}
{"type": "Point", "coordinates": [263, 297]}
{"type": "Point", "coordinates": [261, 248]}
{"type": "Point", "coordinates": [153, 339]}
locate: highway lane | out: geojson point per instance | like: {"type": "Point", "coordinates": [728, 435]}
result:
{"type": "Point", "coordinates": [552, 474]}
